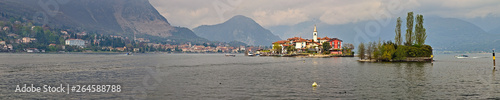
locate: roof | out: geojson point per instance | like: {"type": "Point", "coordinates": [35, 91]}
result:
{"type": "Point", "coordinates": [301, 40]}
{"type": "Point", "coordinates": [332, 39]}
{"type": "Point", "coordinates": [325, 38]}
{"type": "Point", "coordinates": [74, 39]}
{"type": "Point", "coordinates": [12, 35]}
{"type": "Point", "coordinates": [281, 42]}
{"type": "Point", "coordinates": [295, 38]}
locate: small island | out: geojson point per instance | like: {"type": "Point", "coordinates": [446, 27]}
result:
{"type": "Point", "coordinates": [414, 48]}
{"type": "Point", "coordinates": [310, 48]}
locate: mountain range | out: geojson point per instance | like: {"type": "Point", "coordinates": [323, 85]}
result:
{"type": "Point", "coordinates": [139, 17]}
{"type": "Point", "coordinates": [111, 17]}
{"type": "Point", "coordinates": [238, 28]}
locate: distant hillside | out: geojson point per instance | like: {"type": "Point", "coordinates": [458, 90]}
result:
{"type": "Point", "coordinates": [444, 34]}
{"type": "Point", "coordinates": [487, 23]}
{"type": "Point", "coordinates": [239, 28]}
{"type": "Point", "coordinates": [495, 31]}
{"type": "Point", "coordinates": [114, 17]}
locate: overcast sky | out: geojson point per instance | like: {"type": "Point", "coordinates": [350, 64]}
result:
{"type": "Point", "coordinates": [192, 13]}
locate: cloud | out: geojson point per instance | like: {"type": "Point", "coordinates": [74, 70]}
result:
{"type": "Point", "coordinates": [192, 13]}
{"type": "Point", "coordinates": [350, 13]}
{"type": "Point", "coordinates": [280, 17]}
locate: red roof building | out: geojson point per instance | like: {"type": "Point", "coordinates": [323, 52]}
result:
{"type": "Point", "coordinates": [315, 43]}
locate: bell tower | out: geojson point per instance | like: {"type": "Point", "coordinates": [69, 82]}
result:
{"type": "Point", "coordinates": [315, 34]}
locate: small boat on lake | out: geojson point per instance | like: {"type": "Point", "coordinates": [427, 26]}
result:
{"type": "Point", "coordinates": [462, 56]}
{"type": "Point", "coordinates": [230, 55]}
{"type": "Point", "coordinates": [128, 53]}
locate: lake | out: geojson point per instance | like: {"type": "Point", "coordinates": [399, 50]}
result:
{"type": "Point", "coordinates": [214, 76]}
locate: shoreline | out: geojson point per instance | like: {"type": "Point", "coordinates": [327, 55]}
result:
{"type": "Point", "coordinates": [307, 55]}
{"type": "Point", "coordinates": [408, 59]}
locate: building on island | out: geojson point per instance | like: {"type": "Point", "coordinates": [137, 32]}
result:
{"type": "Point", "coordinates": [27, 40]}
{"type": "Point", "coordinates": [75, 42]}
{"type": "Point", "coordinates": [314, 44]}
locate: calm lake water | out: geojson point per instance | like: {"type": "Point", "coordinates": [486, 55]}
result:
{"type": "Point", "coordinates": [214, 76]}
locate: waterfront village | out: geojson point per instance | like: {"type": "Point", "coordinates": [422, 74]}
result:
{"type": "Point", "coordinates": [81, 45]}
{"type": "Point", "coordinates": [25, 37]}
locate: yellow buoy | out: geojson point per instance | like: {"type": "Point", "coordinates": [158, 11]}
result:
{"type": "Point", "coordinates": [314, 84]}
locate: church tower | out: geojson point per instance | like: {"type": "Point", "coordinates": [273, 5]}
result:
{"type": "Point", "coordinates": [315, 34]}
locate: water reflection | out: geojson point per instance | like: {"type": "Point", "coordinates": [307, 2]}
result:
{"type": "Point", "coordinates": [415, 78]}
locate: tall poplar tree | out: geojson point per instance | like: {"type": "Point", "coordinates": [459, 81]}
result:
{"type": "Point", "coordinates": [398, 38]}
{"type": "Point", "coordinates": [361, 51]}
{"type": "Point", "coordinates": [409, 30]}
{"type": "Point", "coordinates": [420, 34]}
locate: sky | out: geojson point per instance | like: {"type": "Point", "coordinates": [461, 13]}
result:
{"type": "Point", "coordinates": [268, 13]}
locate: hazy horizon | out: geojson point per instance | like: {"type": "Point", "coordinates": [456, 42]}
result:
{"type": "Point", "coordinates": [193, 13]}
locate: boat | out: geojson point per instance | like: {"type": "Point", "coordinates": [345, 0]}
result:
{"type": "Point", "coordinates": [462, 56]}
{"type": "Point", "coordinates": [250, 54]}
{"type": "Point", "coordinates": [128, 53]}
{"type": "Point", "coordinates": [230, 55]}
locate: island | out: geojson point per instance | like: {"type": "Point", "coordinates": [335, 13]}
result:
{"type": "Point", "coordinates": [316, 47]}
{"type": "Point", "coordinates": [414, 48]}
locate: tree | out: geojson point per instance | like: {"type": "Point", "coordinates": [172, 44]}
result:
{"type": "Point", "coordinates": [361, 51]}
{"type": "Point", "coordinates": [370, 50]}
{"type": "Point", "coordinates": [377, 49]}
{"type": "Point", "coordinates": [205, 44]}
{"type": "Point", "coordinates": [398, 38]}
{"type": "Point", "coordinates": [388, 51]}
{"type": "Point", "coordinates": [326, 46]}
{"type": "Point", "coordinates": [290, 49]}
{"type": "Point", "coordinates": [420, 34]}
{"type": "Point", "coordinates": [409, 30]}
{"type": "Point", "coordinates": [129, 46]}
{"type": "Point", "coordinates": [347, 49]}
{"type": "Point", "coordinates": [277, 48]}
{"type": "Point", "coordinates": [400, 53]}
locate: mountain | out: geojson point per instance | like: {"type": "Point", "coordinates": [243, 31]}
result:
{"type": "Point", "coordinates": [443, 34]}
{"type": "Point", "coordinates": [487, 23]}
{"type": "Point", "coordinates": [495, 31]}
{"type": "Point", "coordinates": [239, 28]}
{"type": "Point", "coordinates": [112, 17]}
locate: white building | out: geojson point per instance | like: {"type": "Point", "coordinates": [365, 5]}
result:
{"type": "Point", "coordinates": [75, 42]}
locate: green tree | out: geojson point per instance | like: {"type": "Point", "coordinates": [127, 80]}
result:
{"type": "Point", "coordinates": [369, 50]}
{"type": "Point", "coordinates": [388, 51]}
{"type": "Point", "coordinates": [290, 49]}
{"type": "Point", "coordinates": [420, 34]}
{"type": "Point", "coordinates": [205, 44]}
{"type": "Point", "coordinates": [52, 48]}
{"type": "Point", "coordinates": [347, 49]}
{"type": "Point", "coordinates": [409, 30]}
{"type": "Point", "coordinates": [427, 50]}
{"type": "Point", "coordinates": [12, 20]}
{"type": "Point", "coordinates": [277, 48]}
{"type": "Point", "coordinates": [400, 53]}
{"type": "Point", "coordinates": [361, 51]}
{"type": "Point", "coordinates": [398, 38]}
{"type": "Point", "coordinates": [129, 46]}
{"type": "Point", "coordinates": [377, 50]}
{"type": "Point", "coordinates": [326, 47]}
